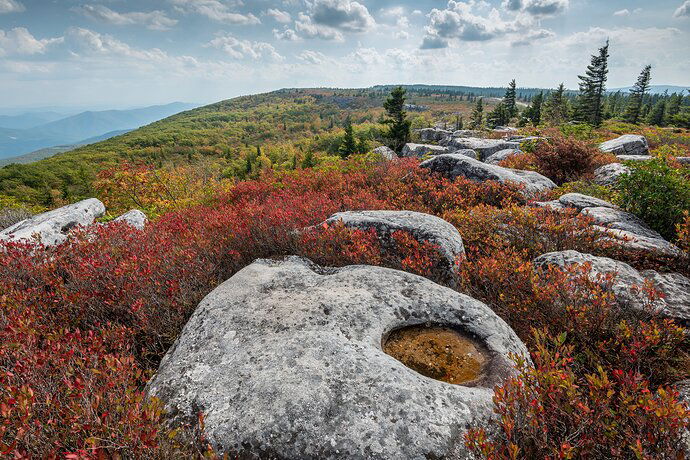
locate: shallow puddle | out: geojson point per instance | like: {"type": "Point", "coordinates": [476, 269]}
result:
{"type": "Point", "coordinates": [440, 353]}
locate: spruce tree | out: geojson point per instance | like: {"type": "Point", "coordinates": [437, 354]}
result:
{"type": "Point", "coordinates": [398, 124]}
{"type": "Point", "coordinates": [500, 116]}
{"type": "Point", "coordinates": [555, 109]}
{"type": "Point", "coordinates": [533, 112]}
{"type": "Point", "coordinates": [673, 106]}
{"type": "Point", "coordinates": [309, 160]}
{"type": "Point", "coordinates": [348, 146]}
{"type": "Point", "coordinates": [592, 88]}
{"type": "Point", "coordinates": [477, 119]}
{"type": "Point", "coordinates": [656, 115]}
{"type": "Point", "coordinates": [632, 112]}
{"type": "Point", "coordinates": [509, 100]}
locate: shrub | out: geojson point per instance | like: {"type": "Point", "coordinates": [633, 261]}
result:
{"type": "Point", "coordinates": [566, 159]}
{"type": "Point", "coordinates": [657, 193]}
{"type": "Point", "coordinates": [552, 410]}
{"type": "Point", "coordinates": [683, 231]}
{"type": "Point", "coordinates": [586, 188]}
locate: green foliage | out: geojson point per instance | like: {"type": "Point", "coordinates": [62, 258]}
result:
{"type": "Point", "coordinates": [398, 124]}
{"type": "Point", "coordinates": [632, 112]}
{"type": "Point", "coordinates": [592, 88]}
{"type": "Point", "coordinates": [657, 193]}
{"type": "Point", "coordinates": [509, 100]}
{"type": "Point", "coordinates": [532, 114]}
{"type": "Point", "coordinates": [477, 120]}
{"type": "Point", "coordinates": [348, 145]}
{"type": "Point", "coordinates": [656, 115]}
{"type": "Point", "coordinates": [557, 108]}
{"type": "Point", "coordinates": [500, 116]}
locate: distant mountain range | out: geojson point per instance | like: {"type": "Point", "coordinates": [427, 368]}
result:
{"type": "Point", "coordinates": [20, 134]}
{"type": "Point", "coordinates": [655, 89]}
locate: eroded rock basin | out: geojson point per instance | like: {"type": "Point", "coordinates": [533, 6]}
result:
{"type": "Point", "coordinates": [437, 352]}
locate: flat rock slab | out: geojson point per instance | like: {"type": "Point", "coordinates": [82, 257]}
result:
{"type": "Point", "coordinates": [423, 227]}
{"type": "Point", "coordinates": [628, 282]}
{"type": "Point", "coordinates": [484, 147]}
{"type": "Point", "coordinates": [386, 152]}
{"type": "Point", "coordinates": [285, 360]}
{"type": "Point", "coordinates": [580, 201]}
{"type": "Point", "coordinates": [419, 150]}
{"type": "Point", "coordinates": [501, 155]}
{"type": "Point", "coordinates": [620, 220]}
{"type": "Point", "coordinates": [453, 166]}
{"type": "Point", "coordinates": [433, 134]}
{"type": "Point", "coordinates": [634, 157]}
{"type": "Point", "coordinates": [628, 144]}
{"type": "Point", "coordinates": [53, 227]}
{"type": "Point", "coordinates": [609, 174]}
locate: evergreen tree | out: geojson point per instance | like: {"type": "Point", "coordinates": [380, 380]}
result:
{"type": "Point", "coordinates": [656, 115]}
{"type": "Point", "coordinates": [556, 107]}
{"type": "Point", "coordinates": [458, 122]}
{"type": "Point", "coordinates": [632, 112]}
{"type": "Point", "coordinates": [673, 106]}
{"type": "Point", "coordinates": [533, 113]}
{"type": "Point", "coordinates": [309, 161]}
{"type": "Point", "coordinates": [500, 116]}
{"type": "Point", "coordinates": [348, 146]}
{"type": "Point", "coordinates": [592, 88]}
{"type": "Point", "coordinates": [509, 100]}
{"type": "Point", "coordinates": [399, 125]}
{"type": "Point", "coordinates": [477, 119]}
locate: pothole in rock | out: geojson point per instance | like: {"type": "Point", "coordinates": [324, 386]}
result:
{"type": "Point", "coordinates": [438, 352]}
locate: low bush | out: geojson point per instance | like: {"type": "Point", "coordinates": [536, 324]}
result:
{"type": "Point", "coordinates": [658, 193]}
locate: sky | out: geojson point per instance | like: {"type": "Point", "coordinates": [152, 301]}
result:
{"type": "Point", "coordinates": [127, 53]}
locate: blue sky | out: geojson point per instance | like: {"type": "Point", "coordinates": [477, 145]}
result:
{"type": "Point", "coordinates": [121, 53]}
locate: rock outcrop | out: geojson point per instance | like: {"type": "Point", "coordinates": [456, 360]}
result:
{"type": "Point", "coordinates": [628, 144]}
{"type": "Point", "coordinates": [285, 360]}
{"type": "Point", "coordinates": [134, 218]}
{"type": "Point", "coordinates": [453, 166]}
{"type": "Point", "coordinates": [628, 282]}
{"type": "Point", "coordinates": [634, 157]}
{"type": "Point", "coordinates": [433, 134]}
{"type": "Point", "coordinates": [423, 227]}
{"type": "Point", "coordinates": [386, 153]}
{"type": "Point", "coordinates": [609, 174]}
{"type": "Point", "coordinates": [53, 227]}
{"type": "Point", "coordinates": [501, 155]}
{"type": "Point", "coordinates": [484, 147]}
{"type": "Point", "coordinates": [419, 150]}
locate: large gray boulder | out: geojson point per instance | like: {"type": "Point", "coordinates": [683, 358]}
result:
{"type": "Point", "coordinates": [609, 217]}
{"type": "Point", "coordinates": [501, 155]}
{"type": "Point", "coordinates": [53, 227]}
{"type": "Point", "coordinates": [433, 134]}
{"type": "Point", "coordinates": [285, 360]}
{"type": "Point", "coordinates": [466, 133]}
{"type": "Point", "coordinates": [453, 166]}
{"type": "Point", "coordinates": [419, 150]}
{"type": "Point", "coordinates": [134, 218]}
{"type": "Point", "coordinates": [484, 147]}
{"type": "Point", "coordinates": [628, 283]}
{"type": "Point", "coordinates": [628, 144]}
{"type": "Point", "coordinates": [634, 157]}
{"type": "Point", "coordinates": [683, 160]}
{"type": "Point", "coordinates": [580, 201]}
{"type": "Point", "coordinates": [609, 174]}
{"type": "Point", "coordinates": [423, 227]}
{"type": "Point", "coordinates": [386, 152]}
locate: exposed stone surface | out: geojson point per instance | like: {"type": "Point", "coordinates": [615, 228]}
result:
{"type": "Point", "coordinates": [628, 144]}
{"type": "Point", "coordinates": [636, 242]}
{"type": "Point", "coordinates": [134, 218]}
{"type": "Point", "coordinates": [285, 360]}
{"type": "Point", "coordinates": [620, 220]}
{"type": "Point", "coordinates": [484, 147]}
{"type": "Point", "coordinates": [634, 157]}
{"type": "Point", "coordinates": [423, 227]}
{"type": "Point", "coordinates": [609, 174]}
{"type": "Point", "coordinates": [466, 133]}
{"type": "Point", "coordinates": [628, 281]}
{"type": "Point", "coordinates": [419, 150]}
{"type": "Point", "coordinates": [683, 389]}
{"type": "Point", "coordinates": [386, 152]}
{"type": "Point", "coordinates": [433, 134]}
{"type": "Point", "coordinates": [52, 227]}
{"type": "Point", "coordinates": [683, 160]}
{"type": "Point", "coordinates": [580, 201]}
{"type": "Point", "coordinates": [453, 166]}
{"type": "Point", "coordinates": [467, 152]}
{"type": "Point", "coordinates": [501, 155]}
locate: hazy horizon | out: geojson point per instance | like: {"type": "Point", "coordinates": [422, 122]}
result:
{"type": "Point", "coordinates": [105, 54]}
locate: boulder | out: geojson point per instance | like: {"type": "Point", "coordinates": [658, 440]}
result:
{"type": "Point", "coordinates": [453, 166]}
{"type": "Point", "coordinates": [683, 388]}
{"type": "Point", "coordinates": [580, 201]}
{"type": "Point", "coordinates": [419, 150]}
{"type": "Point", "coordinates": [628, 144]}
{"type": "Point", "coordinates": [608, 174]}
{"type": "Point", "coordinates": [134, 218]}
{"type": "Point", "coordinates": [617, 219]}
{"type": "Point", "coordinates": [683, 160]}
{"type": "Point", "coordinates": [484, 147]}
{"type": "Point", "coordinates": [467, 152]}
{"type": "Point", "coordinates": [635, 242]}
{"type": "Point", "coordinates": [52, 227]}
{"type": "Point", "coordinates": [628, 282]}
{"type": "Point", "coordinates": [423, 227]}
{"type": "Point", "coordinates": [385, 152]}
{"type": "Point", "coordinates": [634, 157]}
{"type": "Point", "coordinates": [501, 155]}
{"type": "Point", "coordinates": [466, 133]}
{"type": "Point", "coordinates": [433, 134]}
{"type": "Point", "coordinates": [285, 360]}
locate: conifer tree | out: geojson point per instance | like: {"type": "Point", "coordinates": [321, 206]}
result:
{"type": "Point", "coordinates": [398, 124]}
{"type": "Point", "coordinates": [632, 112]}
{"type": "Point", "coordinates": [556, 108]}
{"type": "Point", "coordinates": [477, 119]}
{"type": "Point", "coordinates": [592, 88]}
{"type": "Point", "coordinates": [500, 116]}
{"type": "Point", "coordinates": [348, 146]}
{"type": "Point", "coordinates": [309, 161]}
{"type": "Point", "coordinates": [673, 106]}
{"type": "Point", "coordinates": [656, 115]}
{"type": "Point", "coordinates": [509, 100]}
{"type": "Point", "coordinates": [533, 113]}
{"type": "Point", "coordinates": [458, 122]}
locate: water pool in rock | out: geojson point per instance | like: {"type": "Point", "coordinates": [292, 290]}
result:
{"type": "Point", "coordinates": [438, 352]}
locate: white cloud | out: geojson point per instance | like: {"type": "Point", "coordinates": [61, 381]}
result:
{"type": "Point", "coordinates": [623, 12]}
{"type": "Point", "coordinates": [683, 10]}
{"type": "Point", "coordinates": [287, 34]}
{"type": "Point", "coordinates": [313, 57]}
{"type": "Point", "coordinates": [214, 9]}
{"type": "Point", "coordinates": [19, 41]}
{"type": "Point", "coordinates": [154, 20]}
{"type": "Point", "coordinates": [532, 36]}
{"type": "Point", "coordinates": [307, 29]}
{"type": "Point", "coordinates": [242, 49]}
{"type": "Point", "coordinates": [342, 15]}
{"type": "Point", "coordinates": [11, 6]}
{"type": "Point", "coordinates": [539, 8]}
{"type": "Point", "coordinates": [278, 15]}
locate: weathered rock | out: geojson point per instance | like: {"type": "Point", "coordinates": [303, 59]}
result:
{"type": "Point", "coordinates": [634, 157]}
{"type": "Point", "coordinates": [580, 201]}
{"type": "Point", "coordinates": [620, 220]}
{"type": "Point", "coordinates": [609, 174]}
{"type": "Point", "coordinates": [419, 150]}
{"type": "Point", "coordinates": [501, 155]}
{"type": "Point", "coordinates": [683, 160]}
{"type": "Point", "coordinates": [628, 282]}
{"type": "Point", "coordinates": [423, 227]}
{"type": "Point", "coordinates": [134, 218]}
{"type": "Point", "coordinates": [433, 134]}
{"type": "Point", "coordinates": [466, 133]}
{"type": "Point", "coordinates": [285, 360]}
{"type": "Point", "coordinates": [52, 227]}
{"type": "Point", "coordinates": [628, 144]}
{"type": "Point", "coordinates": [467, 152]}
{"type": "Point", "coordinates": [554, 205]}
{"type": "Point", "coordinates": [484, 147]}
{"type": "Point", "coordinates": [385, 152]}
{"type": "Point", "coordinates": [683, 388]}
{"type": "Point", "coordinates": [636, 242]}
{"type": "Point", "coordinates": [505, 129]}
{"type": "Point", "coordinates": [453, 166]}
